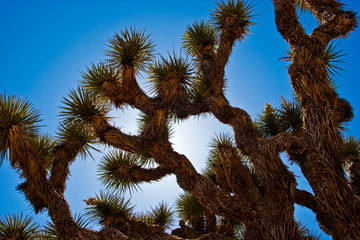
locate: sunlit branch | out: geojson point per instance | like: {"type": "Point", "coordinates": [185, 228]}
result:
{"type": "Point", "coordinates": [208, 194]}
{"type": "Point", "coordinates": [115, 137]}
{"type": "Point", "coordinates": [264, 156]}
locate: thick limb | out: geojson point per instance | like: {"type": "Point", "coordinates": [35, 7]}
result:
{"type": "Point", "coordinates": [321, 161]}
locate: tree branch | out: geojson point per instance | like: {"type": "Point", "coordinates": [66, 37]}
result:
{"type": "Point", "coordinates": [115, 137]}
{"type": "Point", "coordinates": [153, 232]}
{"type": "Point", "coordinates": [238, 207]}
{"type": "Point", "coordinates": [353, 174]}
{"type": "Point", "coordinates": [128, 92]}
{"type": "Point", "coordinates": [335, 22]}
{"type": "Point", "coordinates": [238, 175]}
{"type": "Point", "coordinates": [22, 151]}
{"type": "Point", "coordinates": [295, 146]}
{"type": "Point", "coordinates": [288, 24]}
{"type": "Point", "coordinates": [201, 187]}
{"type": "Point", "coordinates": [64, 155]}
{"type": "Point", "coordinates": [305, 199]}
{"type": "Point", "coordinates": [139, 174]}
{"type": "Point", "coordinates": [263, 153]}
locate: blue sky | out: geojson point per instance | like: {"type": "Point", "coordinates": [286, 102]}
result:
{"type": "Point", "coordinates": [44, 45]}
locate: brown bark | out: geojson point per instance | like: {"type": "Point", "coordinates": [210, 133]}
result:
{"type": "Point", "coordinates": [139, 174]}
{"type": "Point", "coordinates": [353, 174]}
{"type": "Point", "coordinates": [267, 212]}
{"type": "Point", "coordinates": [64, 155]}
{"type": "Point", "coordinates": [210, 222]}
{"type": "Point", "coordinates": [338, 207]}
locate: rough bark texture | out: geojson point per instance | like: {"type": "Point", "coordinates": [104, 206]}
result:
{"type": "Point", "coordinates": [266, 210]}
{"type": "Point", "coordinates": [353, 174]}
{"type": "Point", "coordinates": [338, 206]}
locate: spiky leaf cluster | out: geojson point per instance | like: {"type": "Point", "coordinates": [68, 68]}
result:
{"type": "Point", "coordinates": [45, 144]}
{"type": "Point", "coordinates": [210, 173]}
{"type": "Point", "coordinates": [269, 123]}
{"type": "Point", "coordinates": [288, 117]}
{"type": "Point", "coordinates": [18, 112]}
{"type": "Point", "coordinates": [107, 207]}
{"type": "Point", "coordinates": [82, 105]}
{"type": "Point", "coordinates": [79, 135]}
{"type": "Point", "coordinates": [290, 114]}
{"type": "Point", "coordinates": [130, 48]}
{"type": "Point", "coordinates": [175, 67]}
{"type": "Point", "coordinates": [110, 175]}
{"type": "Point", "coordinates": [200, 89]}
{"type": "Point", "coordinates": [332, 58]}
{"type": "Point", "coordinates": [232, 15]}
{"type": "Point", "coordinates": [199, 36]}
{"type": "Point", "coordinates": [143, 121]}
{"type": "Point", "coordinates": [350, 149]}
{"type": "Point", "coordinates": [18, 227]}
{"type": "Point", "coordinates": [188, 207]}
{"type": "Point", "coordinates": [95, 76]}
{"type": "Point", "coordinates": [161, 215]}
{"type": "Point", "coordinates": [306, 234]}
{"type": "Point", "coordinates": [224, 140]}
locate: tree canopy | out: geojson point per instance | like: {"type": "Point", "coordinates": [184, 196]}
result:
{"type": "Point", "coordinates": [246, 190]}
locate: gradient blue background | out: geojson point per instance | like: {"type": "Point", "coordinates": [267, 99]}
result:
{"type": "Point", "coordinates": [45, 44]}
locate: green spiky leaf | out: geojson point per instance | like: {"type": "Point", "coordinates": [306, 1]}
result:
{"type": "Point", "coordinates": [234, 16]}
{"type": "Point", "coordinates": [221, 139]}
{"type": "Point", "coordinates": [231, 227]}
{"type": "Point", "coordinates": [45, 144]}
{"type": "Point", "coordinates": [18, 112]}
{"type": "Point", "coordinates": [350, 149]}
{"type": "Point", "coordinates": [288, 56]}
{"type": "Point", "coordinates": [107, 207]}
{"type": "Point", "coordinates": [81, 105]}
{"type": "Point", "coordinates": [290, 115]}
{"type": "Point", "coordinates": [77, 134]}
{"type": "Point", "coordinates": [175, 67]}
{"type": "Point", "coordinates": [255, 177]}
{"type": "Point", "coordinates": [95, 76]}
{"type": "Point", "coordinates": [200, 89]}
{"type": "Point", "coordinates": [332, 58]}
{"type": "Point", "coordinates": [188, 207]}
{"type": "Point", "coordinates": [199, 36]}
{"type": "Point", "coordinates": [132, 48]}
{"type": "Point", "coordinates": [306, 234]}
{"type": "Point", "coordinates": [161, 215]}
{"type": "Point", "coordinates": [142, 122]}
{"type": "Point", "coordinates": [109, 173]}
{"type": "Point", "coordinates": [269, 123]}
{"type": "Point", "coordinates": [210, 173]}
{"type": "Point", "coordinates": [18, 227]}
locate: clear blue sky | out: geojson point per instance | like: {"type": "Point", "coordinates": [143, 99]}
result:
{"type": "Point", "coordinates": [45, 44]}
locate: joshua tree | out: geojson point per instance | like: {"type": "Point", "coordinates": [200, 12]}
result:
{"type": "Point", "coordinates": [246, 187]}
